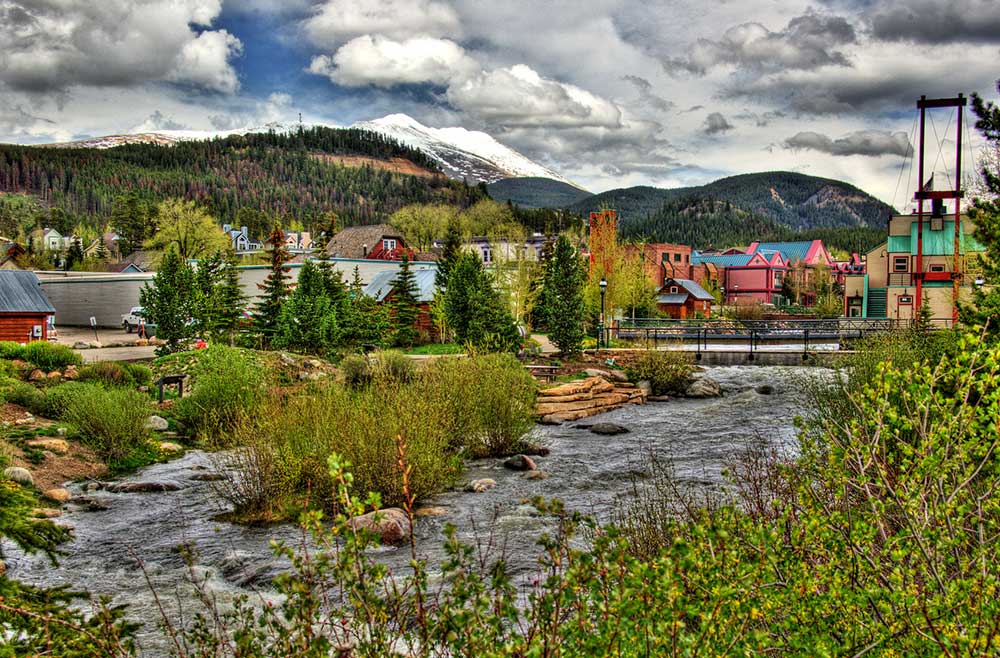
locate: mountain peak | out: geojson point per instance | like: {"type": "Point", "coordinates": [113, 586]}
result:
{"type": "Point", "coordinates": [399, 120]}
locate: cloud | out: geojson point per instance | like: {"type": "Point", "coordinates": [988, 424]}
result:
{"type": "Point", "coordinates": [50, 47]}
{"type": "Point", "coordinates": [646, 95]}
{"type": "Point", "coordinates": [519, 96]}
{"type": "Point", "coordinates": [807, 42]}
{"type": "Point", "coordinates": [932, 22]}
{"type": "Point", "coordinates": [336, 21]}
{"type": "Point", "coordinates": [871, 143]}
{"type": "Point", "coordinates": [715, 124]}
{"type": "Point", "coordinates": [158, 121]}
{"type": "Point", "coordinates": [276, 108]}
{"type": "Point", "coordinates": [380, 61]}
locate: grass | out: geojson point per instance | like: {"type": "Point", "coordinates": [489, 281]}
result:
{"type": "Point", "coordinates": [110, 421]}
{"type": "Point", "coordinates": [228, 384]}
{"type": "Point", "coordinates": [436, 349]}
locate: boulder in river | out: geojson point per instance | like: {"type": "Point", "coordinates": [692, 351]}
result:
{"type": "Point", "coordinates": [144, 487]}
{"type": "Point", "coordinates": [430, 510]}
{"type": "Point", "coordinates": [520, 463]}
{"type": "Point", "coordinates": [645, 386]}
{"type": "Point", "coordinates": [608, 429]}
{"type": "Point", "coordinates": [390, 525]}
{"type": "Point", "coordinates": [19, 475]}
{"type": "Point", "coordinates": [536, 475]}
{"type": "Point", "coordinates": [208, 477]}
{"type": "Point", "coordinates": [765, 389]}
{"type": "Point", "coordinates": [481, 485]}
{"type": "Point", "coordinates": [536, 451]}
{"type": "Point", "coordinates": [703, 387]}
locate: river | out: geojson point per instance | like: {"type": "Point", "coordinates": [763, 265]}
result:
{"type": "Point", "coordinates": [586, 471]}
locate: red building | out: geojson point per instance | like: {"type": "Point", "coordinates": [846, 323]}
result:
{"type": "Point", "coordinates": [375, 242]}
{"type": "Point", "coordinates": [683, 298]}
{"type": "Point", "coordinates": [380, 288]}
{"type": "Point", "coordinates": [24, 308]}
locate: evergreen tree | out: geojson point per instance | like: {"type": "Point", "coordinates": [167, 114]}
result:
{"type": "Point", "coordinates": [405, 307]}
{"type": "Point", "coordinates": [168, 302]}
{"type": "Point", "coordinates": [564, 305]}
{"type": "Point", "coordinates": [232, 302]}
{"type": "Point", "coordinates": [74, 255]}
{"type": "Point", "coordinates": [133, 221]}
{"type": "Point", "coordinates": [475, 312]}
{"type": "Point", "coordinates": [101, 253]}
{"type": "Point", "coordinates": [307, 321]}
{"type": "Point", "coordinates": [449, 254]}
{"type": "Point", "coordinates": [274, 289]}
{"type": "Point", "coordinates": [218, 299]}
{"type": "Point", "coordinates": [986, 215]}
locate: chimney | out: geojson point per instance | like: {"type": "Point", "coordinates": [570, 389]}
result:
{"type": "Point", "coordinates": [364, 251]}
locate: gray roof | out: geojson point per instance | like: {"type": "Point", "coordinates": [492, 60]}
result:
{"type": "Point", "coordinates": [351, 241]}
{"type": "Point", "coordinates": [679, 298]}
{"type": "Point", "coordinates": [693, 288]}
{"type": "Point", "coordinates": [20, 292]}
{"type": "Point", "coordinates": [381, 284]}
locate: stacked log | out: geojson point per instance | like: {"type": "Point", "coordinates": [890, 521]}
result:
{"type": "Point", "coordinates": [586, 397]}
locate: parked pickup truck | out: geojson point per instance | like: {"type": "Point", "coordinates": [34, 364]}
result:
{"type": "Point", "coordinates": [132, 320]}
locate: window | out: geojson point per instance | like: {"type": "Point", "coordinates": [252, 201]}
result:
{"type": "Point", "coordinates": [677, 258]}
{"type": "Point", "coordinates": [905, 300]}
{"type": "Point", "coordinates": [664, 258]}
{"type": "Point", "coordinates": [937, 268]}
{"type": "Point", "coordinates": [673, 290]}
{"type": "Point", "coordinates": [487, 255]}
{"type": "Point", "coordinates": [900, 263]}
{"type": "Point", "coordinates": [389, 244]}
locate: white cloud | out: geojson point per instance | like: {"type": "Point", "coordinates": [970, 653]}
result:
{"type": "Point", "coordinates": [51, 47]}
{"type": "Point", "coordinates": [871, 143]}
{"type": "Point", "coordinates": [336, 21]}
{"type": "Point", "coordinates": [519, 96]}
{"type": "Point", "coordinates": [380, 61]}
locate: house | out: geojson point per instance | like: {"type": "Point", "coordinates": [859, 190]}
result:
{"type": "Point", "coordinates": [916, 264]}
{"type": "Point", "coordinates": [803, 259]}
{"type": "Point", "coordinates": [111, 248]}
{"type": "Point", "coordinates": [242, 242]}
{"type": "Point", "coordinates": [10, 251]}
{"type": "Point", "coordinates": [663, 261]}
{"type": "Point", "coordinates": [374, 242]}
{"type": "Point", "coordinates": [683, 298]}
{"type": "Point", "coordinates": [49, 239]}
{"type": "Point", "coordinates": [494, 250]}
{"type": "Point", "coordinates": [24, 308]}
{"type": "Point", "coordinates": [298, 240]}
{"type": "Point", "coordinates": [380, 288]}
{"type": "Point", "coordinates": [142, 260]}
{"type": "Point", "coordinates": [757, 277]}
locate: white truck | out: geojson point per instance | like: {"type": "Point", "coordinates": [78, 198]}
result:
{"type": "Point", "coordinates": [132, 320]}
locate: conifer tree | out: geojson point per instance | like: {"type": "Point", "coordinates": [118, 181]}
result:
{"type": "Point", "coordinates": [564, 304]}
{"type": "Point", "coordinates": [274, 289]}
{"type": "Point", "coordinates": [475, 312]}
{"type": "Point", "coordinates": [405, 307]}
{"type": "Point", "coordinates": [74, 255]}
{"type": "Point", "coordinates": [307, 321]}
{"type": "Point", "coordinates": [449, 254]}
{"type": "Point", "coordinates": [168, 302]}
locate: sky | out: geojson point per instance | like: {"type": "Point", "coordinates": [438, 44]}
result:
{"type": "Point", "coordinates": [609, 93]}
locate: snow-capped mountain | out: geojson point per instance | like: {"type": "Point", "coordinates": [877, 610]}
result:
{"type": "Point", "coordinates": [463, 154]}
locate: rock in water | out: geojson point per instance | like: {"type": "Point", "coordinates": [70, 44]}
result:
{"type": "Point", "coordinates": [171, 448]}
{"type": "Point", "coordinates": [520, 463]}
{"type": "Point", "coordinates": [479, 486]}
{"type": "Point", "coordinates": [608, 429]}
{"type": "Point", "coordinates": [390, 525]}
{"type": "Point", "coordinates": [144, 487]}
{"type": "Point", "coordinates": [765, 389]}
{"type": "Point", "coordinates": [645, 386]}
{"type": "Point", "coordinates": [703, 387]}
{"type": "Point", "coordinates": [536, 475]}
{"type": "Point", "coordinates": [157, 423]}
{"type": "Point", "coordinates": [58, 495]}
{"type": "Point", "coordinates": [19, 475]}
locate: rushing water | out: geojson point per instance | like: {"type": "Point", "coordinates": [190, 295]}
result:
{"type": "Point", "coordinates": [588, 472]}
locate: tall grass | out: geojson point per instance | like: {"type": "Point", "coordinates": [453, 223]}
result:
{"type": "Point", "coordinates": [111, 421]}
{"type": "Point", "coordinates": [228, 385]}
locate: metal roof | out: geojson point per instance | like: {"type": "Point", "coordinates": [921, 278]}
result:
{"type": "Point", "coordinates": [690, 287]}
{"type": "Point", "coordinates": [790, 251]}
{"type": "Point", "coordinates": [381, 284]}
{"type": "Point", "coordinates": [20, 292]}
{"type": "Point", "coordinates": [734, 260]}
{"type": "Point", "coordinates": [678, 298]}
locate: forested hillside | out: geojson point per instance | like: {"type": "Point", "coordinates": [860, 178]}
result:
{"type": "Point", "coordinates": [536, 192]}
{"type": "Point", "coordinates": [283, 175]}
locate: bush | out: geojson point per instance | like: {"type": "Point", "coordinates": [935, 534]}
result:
{"type": "Point", "coordinates": [228, 384]}
{"type": "Point", "coordinates": [27, 396]}
{"type": "Point", "coordinates": [142, 375]}
{"type": "Point", "coordinates": [57, 398]}
{"type": "Point", "coordinates": [111, 421]}
{"type": "Point", "coordinates": [392, 367]}
{"type": "Point", "coordinates": [111, 373]}
{"type": "Point", "coordinates": [667, 371]}
{"type": "Point", "coordinates": [10, 350]}
{"type": "Point", "coordinates": [357, 371]}
{"type": "Point", "coordinates": [50, 356]}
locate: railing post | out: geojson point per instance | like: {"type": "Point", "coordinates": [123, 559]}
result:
{"type": "Point", "coordinates": [805, 345]}
{"type": "Point", "coordinates": [751, 343]}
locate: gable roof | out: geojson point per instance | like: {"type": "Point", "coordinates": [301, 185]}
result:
{"type": "Point", "coordinates": [734, 260]}
{"type": "Point", "coordinates": [790, 251]}
{"type": "Point", "coordinates": [691, 287]}
{"type": "Point", "coordinates": [351, 241]}
{"type": "Point", "coordinates": [381, 284]}
{"type": "Point", "coordinates": [20, 292]}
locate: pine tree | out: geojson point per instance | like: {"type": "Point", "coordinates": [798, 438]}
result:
{"type": "Point", "coordinates": [474, 309]}
{"type": "Point", "coordinates": [564, 310]}
{"type": "Point", "coordinates": [405, 307]}
{"type": "Point", "coordinates": [74, 255]}
{"type": "Point", "coordinates": [274, 289]}
{"type": "Point", "coordinates": [133, 221]}
{"type": "Point", "coordinates": [449, 254]}
{"type": "Point", "coordinates": [307, 321]}
{"type": "Point", "coordinates": [232, 302]}
{"type": "Point", "coordinates": [168, 302]}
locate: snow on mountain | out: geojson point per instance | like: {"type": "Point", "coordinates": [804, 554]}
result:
{"type": "Point", "coordinates": [461, 153]}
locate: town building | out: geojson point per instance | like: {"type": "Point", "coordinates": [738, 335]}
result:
{"type": "Point", "coordinates": [24, 308]}
{"type": "Point", "coordinates": [381, 289]}
{"type": "Point", "coordinates": [494, 250]}
{"type": "Point", "coordinates": [242, 242]}
{"type": "Point", "coordinates": [682, 299]}
{"type": "Point", "coordinates": [746, 277]}
{"type": "Point", "coordinates": [49, 239]}
{"type": "Point", "coordinates": [298, 240]}
{"type": "Point", "coordinates": [374, 242]}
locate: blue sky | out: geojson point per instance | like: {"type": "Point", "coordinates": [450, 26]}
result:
{"type": "Point", "coordinates": [609, 93]}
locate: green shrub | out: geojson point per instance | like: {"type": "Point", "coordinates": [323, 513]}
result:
{"type": "Point", "coordinates": [357, 371]}
{"type": "Point", "coordinates": [10, 350]}
{"type": "Point", "coordinates": [50, 356]}
{"type": "Point", "coordinates": [27, 396]}
{"type": "Point", "coordinates": [392, 367]}
{"type": "Point", "coordinates": [112, 373]}
{"type": "Point", "coordinates": [667, 371]}
{"type": "Point", "coordinates": [142, 375]}
{"type": "Point", "coordinates": [228, 384]}
{"type": "Point", "coordinates": [57, 399]}
{"type": "Point", "coordinates": [111, 421]}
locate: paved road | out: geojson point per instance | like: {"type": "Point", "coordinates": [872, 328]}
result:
{"type": "Point", "coordinates": [132, 353]}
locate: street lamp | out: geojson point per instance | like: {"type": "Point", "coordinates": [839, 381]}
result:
{"type": "Point", "coordinates": [604, 288]}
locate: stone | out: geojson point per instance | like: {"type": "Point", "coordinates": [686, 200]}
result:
{"type": "Point", "coordinates": [286, 359]}
{"type": "Point", "coordinates": [28, 419]}
{"type": "Point", "coordinates": [81, 345]}
{"type": "Point", "coordinates": [19, 475]}
{"type": "Point", "coordinates": [645, 386]}
{"type": "Point", "coordinates": [3, 568]}
{"type": "Point", "coordinates": [608, 429]}
{"type": "Point", "coordinates": [583, 426]}
{"type": "Point", "coordinates": [92, 487]}
{"type": "Point", "coordinates": [311, 376]}
{"type": "Point", "coordinates": [89, 504]}
{"type": "Point", "coordinates": [157, 423]}
{"type": "Point", "coordinates": [57, 446]}
{"type": "Point", "coordinates": [430, 510]}
{"type": "Point", "coordinates": [208, 477]}
{"type": "Point", "coordinates": [37, 375]}
{"type": "Point", "coordinates": [536, 451]}
{"type": "Point", "coordinates": [597, 372]}
{"type": "Point", "coordinates": [765, 389]}
{"type": "Point", "coordinates": [659, 398]}
{"type": "Point", "coordinates": [95, 344]}
{"type": "Point", "coordinates": [169, 447]}
{"type": "Point", "coordinates": [312, 363]}
{"type": "Point", "coordinates": [61, 431]}
{"type": "Point", "coordinates": [55, 374]}
{"type": "Point", "coordinates": [548, 420]}
{"type": "Point", "coordinates": [479, 486]}
{"type": "Point", "coordinates": [71, 373]}
{"type": "Point", "coordinates": [703, 387]}
{"type": "Point", "coordinates": [390, 525]}
{"type": "Point", "coordinates": [536, 475]}
{"type": "Point", "coordinates": [618, 376]}
{"type": "Point", "coordinates": [144, 487]}
{"type": "Point", "coordinates": [141, 342]}
{"type": "Point", "coordinates": [46, 513]}
{"type": "Point", "coordinates": [520, 463]}
{"type": "Point", "coordinates": [19, 364]}
{"type": "Point", "coordinates": [59, 495]}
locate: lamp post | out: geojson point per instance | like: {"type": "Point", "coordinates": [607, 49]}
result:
{"type": "Point", "coordinates": [604, 288]}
